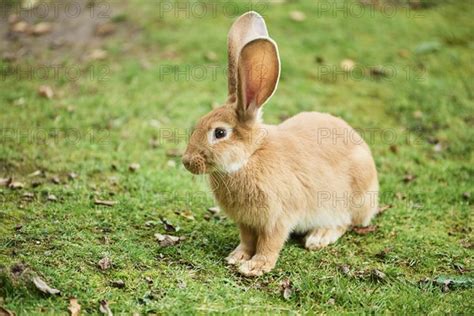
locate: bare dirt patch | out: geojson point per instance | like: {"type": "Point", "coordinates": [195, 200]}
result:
{"type": "Point", "coordinates": [53, 31]}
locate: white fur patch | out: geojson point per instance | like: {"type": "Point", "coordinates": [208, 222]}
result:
{"type": "Point", "coordinates": [234, 166]}
{"type": "Point", "coordinates": [324, 218]}
{"type": "Point", "coordinates": [259, 115]}
{"type": "Point", "coordinates": [232, 160]}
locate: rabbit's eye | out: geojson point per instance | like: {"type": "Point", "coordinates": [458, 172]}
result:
{"type": "Point", "coordinates": [220, 132]}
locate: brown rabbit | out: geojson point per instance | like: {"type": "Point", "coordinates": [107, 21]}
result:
{"type": "Point", "coordinates": [312, 174]}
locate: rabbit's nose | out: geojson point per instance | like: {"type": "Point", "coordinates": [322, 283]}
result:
{"type": "Point", "coordinates": [186, 161]}
{"type": "Point", "coordinates": [194, 164]}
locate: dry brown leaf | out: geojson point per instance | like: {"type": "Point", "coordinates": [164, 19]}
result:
{"type": "Point", "coordinates": [150, 223]}
{"type": "Point", "coordinates": [345, 269]}
{"type": "Point", "coordinates": [20, 27]}
{"type": "Point", "coordinates": [105, 263]}
{"type": "Point", "coordinates": [17, 270]}
{"type": "Point", "coordinates": [438, 148]}
{"type": "Point", "coordinates": [105, 29]}
{"type": "Point", "coordinates": [52, 198]}
{"type": "Point", "coordinates": [42, 28]}
{"type": "Point", "coordinates": [43, 287]}
{"type": "Point", "coordinates": [114, 180]}
{"type": "Point", "coordinates": [6, 312]}
{"type": "Point", "coordinates": [188, 215]}
{"type": "Point", "coordinates": [400, 196]}
{"type": "Point", "coordinates": [466, 244]}
{"type": "Point", "coordinates": [211, 56]}
{"type": "Point", "coordinates": [149, 280]}
{"type": "Point", "coordinates": [214, 210]}
{"type": "Point", "coordinates": [16, 185]}
{"type": "Point", "coordinates": [297, 16]}
{"type": "Point", "coordinates": [154, 143]}
{"type": "Point", "coordinates": [409, 178]}
{"type": "Point", "coordinates": [104, 202]}
{"type": "Point", "coordinates": [383, 254]}
{"type": "Point", "coordinates": [383, 208]}
{"type": "Point", "coordinates": [168, 240]}
{"type": "Point", "coordinates": [174, 152]}
{"type": "Point", "coordinates": [97, 54]}
{"type": "Point", "coordinates": [36, 183]}
{"type": "Point", "coordinates": [120, 284]}
{"type": "Point", "coordinates": [182, 284]}
{"type": "Point", "coordinates": [364, 230]}
{"type": "Point", "coordinates": [377, 275]}
{"type": "Point", "coordinates": [286, 288]}
{"type": "Point", "coordinates": [104, 308]}
{"type": "Point", "coordinates": [460, 268]}
{"type": "Point", "coordinates": [134, 167]}
{"type": "Point", "coordinates": [36, 173]}
{"type": "Point", "coordinates": [28, 195]}
{"type": "Point", "coordinates": [74, 307]}
{"type": "Point", "coordinates": [417, 114]}
{"type": "Point", "coordinates": [5, 181]}
{"type": "Point", "coordinates": [378, 71]}
{"type": "Point", "coordinates": [56, 180]}
{"type": "Point", "coordinates": [46, 92]}
{"type": "Point", "coordinates": [168, 226]}
{"type": "Point", "coordinates": [347, 65]}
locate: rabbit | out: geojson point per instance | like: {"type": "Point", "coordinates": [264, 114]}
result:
{"type": "Point", "coordinates": [312, 174]}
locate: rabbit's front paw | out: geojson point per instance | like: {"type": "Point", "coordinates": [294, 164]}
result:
{"type": "Point", "coordinates": [238, 256]}
{"type": "Point", "coordinates": [256, 266]}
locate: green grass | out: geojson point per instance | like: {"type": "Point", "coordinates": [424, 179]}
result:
{"type": "Point", "coordinates": [427, 96]}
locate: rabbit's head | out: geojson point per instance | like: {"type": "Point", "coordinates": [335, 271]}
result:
{"type": "Point", "coordinates": [224, 139]}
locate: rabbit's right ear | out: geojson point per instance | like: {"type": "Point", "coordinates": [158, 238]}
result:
{"type": "Point", "coordinates": [257, 77]}
{"type": "Point", "coordinates": [254, 65]}
{"type": "Point", "coordinates": [246, 28]}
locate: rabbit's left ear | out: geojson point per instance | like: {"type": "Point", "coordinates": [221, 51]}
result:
{"type": "Point", "coordinates": [258, 74]}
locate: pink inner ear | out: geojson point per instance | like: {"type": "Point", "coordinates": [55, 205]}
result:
{"type": "Point", "coordinates": [249, 96]}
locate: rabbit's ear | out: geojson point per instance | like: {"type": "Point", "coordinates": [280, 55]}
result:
{"type": "Point", "coordinates": [247, 27]}
{"type": "Point", "coordinates": [258, 74]}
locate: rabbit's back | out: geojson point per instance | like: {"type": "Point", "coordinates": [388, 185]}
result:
{"type": "Point", "coordinates": [336, 168]}
{"type": "Point", "coordinates": [324, 129]}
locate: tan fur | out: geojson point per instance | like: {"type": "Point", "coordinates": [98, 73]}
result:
{"type": "Point", "coordinates": [311, 174]}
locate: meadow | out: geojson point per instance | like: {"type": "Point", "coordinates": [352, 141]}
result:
{"type": "Point", "coordinates": [93, 120]}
